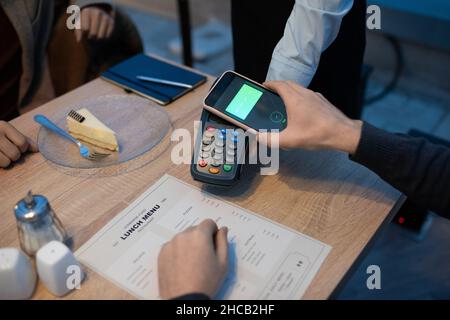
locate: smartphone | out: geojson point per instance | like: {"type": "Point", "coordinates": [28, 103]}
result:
{"type": "Point", "coordinates": [246, 103]}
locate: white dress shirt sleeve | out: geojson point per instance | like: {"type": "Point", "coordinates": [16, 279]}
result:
{"type": "Point", "coordinates": [311, 28]}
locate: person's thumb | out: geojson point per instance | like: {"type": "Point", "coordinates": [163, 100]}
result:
{"type": "Point", "coordinates": [275, 85]}
{"type": "Point", "coordinates": [283, 89]}
{"type": "Point", "coordinates": [221, 240]}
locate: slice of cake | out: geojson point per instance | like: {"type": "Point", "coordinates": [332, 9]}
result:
{"type": "Point", "coordinates": [84, 126]}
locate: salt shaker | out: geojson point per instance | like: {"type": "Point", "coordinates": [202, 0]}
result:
{"type": "Point", "coordinates": [37, 223]}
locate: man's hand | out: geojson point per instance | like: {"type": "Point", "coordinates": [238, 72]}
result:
{"type": "Point", "coordinates": [96, 23]}
{"type": "Point", "coordinates": [313, 122]}
{"type": "Point", "coordinates": [194, 261]}
{"type": "Point", "coordinates": [12, 144]}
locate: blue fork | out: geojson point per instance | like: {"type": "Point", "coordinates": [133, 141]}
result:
{"type": "Point", "coordinates": [85, 152]}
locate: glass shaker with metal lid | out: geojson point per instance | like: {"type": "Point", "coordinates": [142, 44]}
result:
{"type": "Point", "coordinates": [37, 223]}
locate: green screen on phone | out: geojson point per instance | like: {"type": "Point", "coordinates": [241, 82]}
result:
{"type": "Point", "coordinates": [244, 101]}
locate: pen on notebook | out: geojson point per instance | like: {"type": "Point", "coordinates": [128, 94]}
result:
{"type": "Point", "coordinates": [162, 81]}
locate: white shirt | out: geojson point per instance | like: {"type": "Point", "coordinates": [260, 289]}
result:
{"type": "Point", "coordinates": [311, 28]}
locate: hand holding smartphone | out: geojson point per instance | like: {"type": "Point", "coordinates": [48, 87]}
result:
{"type": "Point", "coordinates": [246, 103]}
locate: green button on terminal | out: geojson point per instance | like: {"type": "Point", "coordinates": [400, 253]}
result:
{"type": "Point", "coordinates": [227, 167]}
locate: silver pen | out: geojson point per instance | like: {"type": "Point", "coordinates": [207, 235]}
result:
{"type": "Point", "coordinates": [162, 81]}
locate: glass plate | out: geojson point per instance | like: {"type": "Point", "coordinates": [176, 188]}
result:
{"type": "Point", "coordinates": [142, 130]}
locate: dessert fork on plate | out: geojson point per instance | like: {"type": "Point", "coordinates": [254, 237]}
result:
{"type": "Point", "coordinates": [85, 152]}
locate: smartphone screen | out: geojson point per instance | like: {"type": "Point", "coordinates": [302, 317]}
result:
{"type": "Point", "coordinates": [248, 103]}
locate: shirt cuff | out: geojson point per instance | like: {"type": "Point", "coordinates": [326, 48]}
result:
{"type": "Point", "coordinates": [282, 68]}
{"type": "Point", "coordinates": [376, 148]}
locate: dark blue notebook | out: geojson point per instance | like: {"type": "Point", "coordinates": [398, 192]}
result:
{"type": "Point", "coordinates": [124, 74]}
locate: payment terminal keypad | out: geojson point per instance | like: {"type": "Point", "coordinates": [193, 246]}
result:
{"type": "Point", "coordinates": [219, 151]}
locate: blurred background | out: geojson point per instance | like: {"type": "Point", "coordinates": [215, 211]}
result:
{"type": "Point", "coordinates": [408, 90]}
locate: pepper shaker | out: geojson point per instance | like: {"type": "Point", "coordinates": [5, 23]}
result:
{"type": "Point", "coordinates": [37, 223]}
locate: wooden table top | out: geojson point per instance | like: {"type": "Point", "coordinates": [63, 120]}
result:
{"type": "Point", "coordinates": [322, 194]}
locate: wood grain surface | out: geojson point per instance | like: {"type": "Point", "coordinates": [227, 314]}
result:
{"type": "Point", "coordinates": [322, 194]}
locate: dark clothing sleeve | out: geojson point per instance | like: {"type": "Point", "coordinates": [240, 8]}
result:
{"type": "Point", "coordinates": [414, 166]}
{"type": "Point", "coordinates": [192, 296]}
{"type": "Point", "coordinates": [10, 68]}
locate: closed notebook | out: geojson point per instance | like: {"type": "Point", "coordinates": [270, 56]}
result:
{"type": "Point", "coordinates": [124, 74]}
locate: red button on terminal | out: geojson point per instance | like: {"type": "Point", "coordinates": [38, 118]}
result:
{"type": "Point", "coordinates": [202, 163]}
